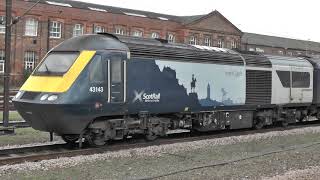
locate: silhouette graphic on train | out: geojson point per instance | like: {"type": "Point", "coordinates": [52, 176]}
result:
{"type": "Point", "coordinates": [193, 83]}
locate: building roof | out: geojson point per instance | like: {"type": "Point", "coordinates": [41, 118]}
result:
{"type": "Point", "coordinates": [274, 41]}
{"type": "Point", "coordinates": [118, 10]}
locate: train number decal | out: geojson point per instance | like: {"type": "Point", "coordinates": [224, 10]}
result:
{"type": "Point", "coordinates": [96, 89]}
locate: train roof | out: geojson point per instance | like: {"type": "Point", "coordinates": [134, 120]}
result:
{"type": "Point", "coordinates": [289, 61]}
{"type": "Point", "coordinates": [90, 42]}
{"type": "Point", "coordinates": [161, 49]}
{"type": "Point", "coordinates": [315, 61]}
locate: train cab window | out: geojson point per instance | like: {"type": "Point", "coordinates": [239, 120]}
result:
{"type": "Point", "coordinates": [284, 77]}
{"type": "Point", "coordinates": [96, 70]}
{"type": "Point", "coordinates": [56, 63]}
{"type": "Point", "coordinates": [300, 79]}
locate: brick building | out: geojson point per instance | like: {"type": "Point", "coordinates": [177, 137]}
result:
{"type": "Point", "coordinates": [52, 21]}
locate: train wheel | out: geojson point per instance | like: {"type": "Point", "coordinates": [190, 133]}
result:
{"type": "Point", "coordinates": [70, 139]}
{"type": "Point", "coordinates": [258, 124]}
{"type": "Point", "coordinates": [284, 123]}
{"type": "Point", "coordinates": [95, 141]}
{"type": "Point", "coordinates": [151, 136]}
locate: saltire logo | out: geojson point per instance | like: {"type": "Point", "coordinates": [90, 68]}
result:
{"type": "Point", "coordinates": [145, 97]}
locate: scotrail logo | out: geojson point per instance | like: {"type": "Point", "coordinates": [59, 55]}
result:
{"type": "Point", "coordinates": [144, 97]}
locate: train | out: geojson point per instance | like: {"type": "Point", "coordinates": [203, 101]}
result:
{"type": "Point", "coordinates": [103, 87]}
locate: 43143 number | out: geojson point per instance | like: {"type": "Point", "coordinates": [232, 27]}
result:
{"type": "Point", "coordinates": [96, 89]}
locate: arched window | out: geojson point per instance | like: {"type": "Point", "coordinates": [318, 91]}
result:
{"type": "Point", "coordinates": [171, 38]}
{"type": "Point", "coordinates": [137, 33]}
{"type": "Point", "coordinates": [155, 35]}
{"type": "Point", "coordinates": [77, 30]}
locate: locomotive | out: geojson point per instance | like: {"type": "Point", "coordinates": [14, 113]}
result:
{"type": "Point", "coordinates": [105, 87]}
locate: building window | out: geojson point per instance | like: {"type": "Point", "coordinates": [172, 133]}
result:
{"type": "Point", "coordinates": [233, 44]}
{"type": "Point", "coordinates": [29, 60]}
{"type": "Point", "coordinates": [220, 43]}
{"type": "Point", "coordinates": [2, 24]}
{"type": "Point", "coordinates": [2, 58]}
{"type": "Point", "coordinates": [155, 35]}
{"type": "Point", "coordinates": [137, 33]}
{"type": "Point", "coordinates": [260, 50]}
{"type": "Point", "coordinates": [31, 28]}
{"type": "Point", "coordinates": [98, 29]}
{"type": "Point", "coordinates": [207, 41]}
{"type": "Point", "coordinates": [119, 31]}
{"type": "Point", "coordinates": [77, 30]}
{"type": "Point", "coordinates": [55, 29]}
{"type": "Point", "coordinates": [193, 40]}
{"type": "Point", "coordinates": [171, 38]}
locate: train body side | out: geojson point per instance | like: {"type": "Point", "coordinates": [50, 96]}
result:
{"type": "Point", "coordinates": [163, 86]}
{"type": "Point", "coordinates": [292, 80]}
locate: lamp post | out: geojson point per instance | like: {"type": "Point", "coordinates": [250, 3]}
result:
{"type": "Point", "coordinates": [8, 25]}
{"type": "Point", "coordinates": [7, 64]}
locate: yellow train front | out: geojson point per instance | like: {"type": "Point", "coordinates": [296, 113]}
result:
{"type": "Point", "coordinates": [67, 91]}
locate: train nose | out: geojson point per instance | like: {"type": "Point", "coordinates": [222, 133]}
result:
{"type": "Point", "coordinates": [36, 115]}
{"type": "Point", "coordinates": [56, 118]}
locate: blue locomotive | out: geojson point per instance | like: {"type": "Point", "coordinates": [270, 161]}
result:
{"type": "Point", "coordinates": [104, 87]}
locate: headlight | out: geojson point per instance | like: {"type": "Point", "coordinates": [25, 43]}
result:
{"type": "Point", "coordinates": [18, 94]}
{"type": "Point", "coordinates": [52, 97]}
{"type": "Point", "coordinates": [44, 97]}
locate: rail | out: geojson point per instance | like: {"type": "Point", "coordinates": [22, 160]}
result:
{"type": "Point", "coordinates": [45, 152]}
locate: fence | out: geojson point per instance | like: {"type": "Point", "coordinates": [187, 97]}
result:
{"type": "Point", "coordinates": [12, 93]}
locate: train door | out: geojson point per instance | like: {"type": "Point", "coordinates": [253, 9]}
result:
{"type": "Point", "coordinates": [116, 77]}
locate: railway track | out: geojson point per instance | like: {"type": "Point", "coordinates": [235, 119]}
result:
{"type": "Point", "coordinates": [38, 153]}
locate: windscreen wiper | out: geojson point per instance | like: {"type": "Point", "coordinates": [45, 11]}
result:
{"type": "Point", "coordinates": [47, 69]}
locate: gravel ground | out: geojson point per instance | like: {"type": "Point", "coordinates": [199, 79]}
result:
{"type": "Point", "coordinates": [310, 173]}
{"type": "Point", "coordinates": [157, 160]}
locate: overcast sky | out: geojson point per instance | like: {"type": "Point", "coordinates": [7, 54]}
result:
{"type": "Point", "coordinates": [293, 19]}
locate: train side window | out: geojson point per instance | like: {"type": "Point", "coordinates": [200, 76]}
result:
{"type": "Point", "coordinates": [300, 79]}
{"type": "Point", "coordinates": [96, 70]}
{"type": "Point", "coordinates": [116, 70]}
{"type": "Point", "coordinates": [284, 77]}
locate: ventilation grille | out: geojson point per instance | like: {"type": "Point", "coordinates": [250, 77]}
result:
{"type": "Point", "coordinates": [161, 52]}
{"type": "Point", "coordinates": [29, 95]}
{"type": "Point", "coordinates": [258, 87]}
{"type": "Point", "coordinates": [257, 61]}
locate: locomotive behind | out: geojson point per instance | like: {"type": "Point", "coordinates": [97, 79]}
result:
{"type": "Point", "coordinates": [105, 87]}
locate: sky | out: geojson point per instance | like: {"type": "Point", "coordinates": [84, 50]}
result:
{"type": "Point", "coordinates": [292, 19]}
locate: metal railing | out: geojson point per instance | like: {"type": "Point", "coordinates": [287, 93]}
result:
{"type": "Point", "coordinates": [12, 94]}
